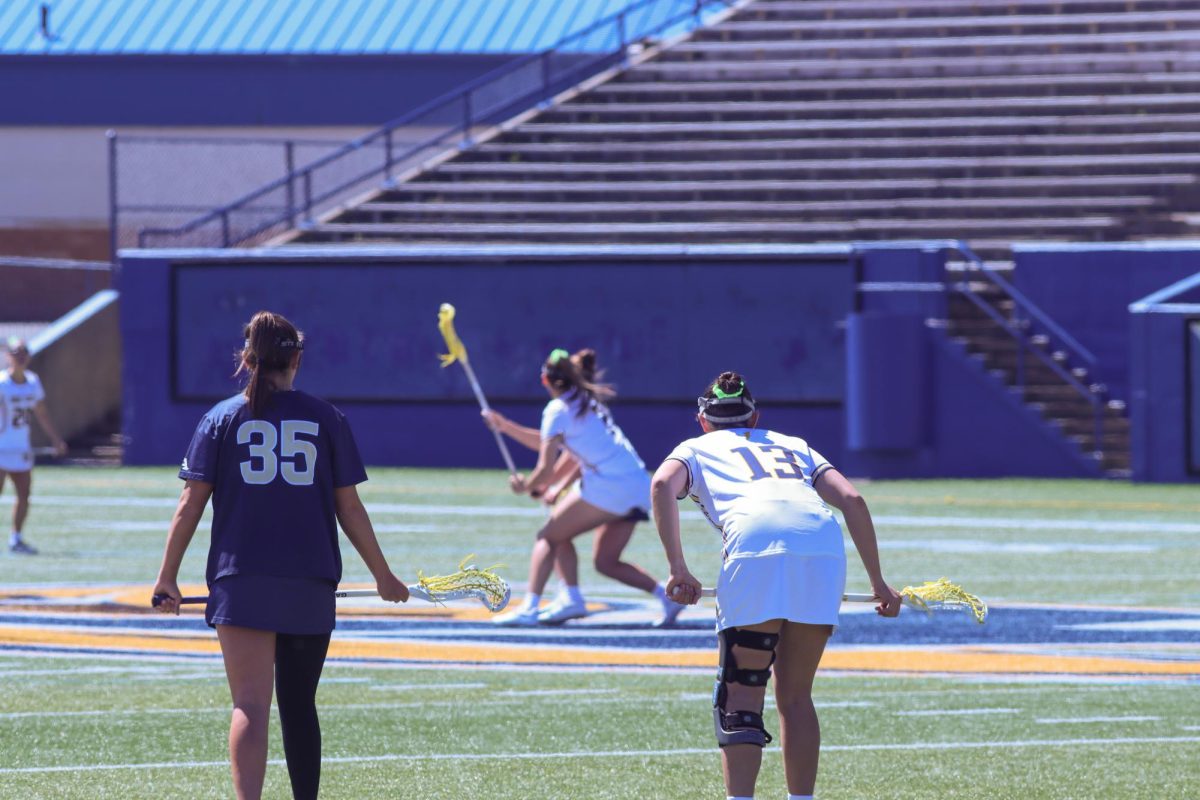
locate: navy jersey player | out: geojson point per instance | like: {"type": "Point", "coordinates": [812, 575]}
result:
{"type": "Point", "coordinates": [281, 467]}
{"type": "Point", "coordinates": [783, 572]}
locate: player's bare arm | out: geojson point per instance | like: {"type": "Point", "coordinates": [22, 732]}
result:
{"type": "Point", "coordinates": [668, 483]}
{"type": "Point", "coordinates": [529, 437]}
{"type": "Point", "coordinates": [192, 502]}
{"type": "Point", "coordinates": [356, 523]}
{"type": "Point", "coordinates": [836, 490]}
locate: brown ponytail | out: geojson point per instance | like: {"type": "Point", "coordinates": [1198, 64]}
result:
{"type": "Point", "coordinates": [577, 372]}
{"type": "Point", "coordinates": [271, 343]}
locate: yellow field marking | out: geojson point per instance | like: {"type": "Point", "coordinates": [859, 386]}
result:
{"type": "Point", "coordinates": [137, 598]}
{"type": "Point", "coordinates": [953, 660]}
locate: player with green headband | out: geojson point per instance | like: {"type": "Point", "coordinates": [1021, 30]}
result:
{"type": "Point", "coordinates": [783, 573]}
{"type": "Point", "coordinates": [579, 438]}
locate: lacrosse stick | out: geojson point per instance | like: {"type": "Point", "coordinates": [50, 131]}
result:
{"type": "Point", "coordinates": [471, 582]}
{"type": "Point", "coordinates": [931, 596]}
{"type": "Point", "coordinates": [37, 451]}
{"type": "Point", "coordinates": [458, 352]}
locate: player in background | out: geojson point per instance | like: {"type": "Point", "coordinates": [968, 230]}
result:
{"type": "Point", "coordinates": [783, 573]}
{"type": "Point", "coordinates": [281, 467]}
{"type": "Point", "coordinates": [21, 399]}
{"type": "Point", "coordinates": [613, 494]}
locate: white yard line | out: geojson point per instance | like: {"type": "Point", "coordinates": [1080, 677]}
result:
{"type": "Point", "coordinates": [635, 754]}
{"type": "Point", "coordinates": [1072, 720]}
{"type": "Point", "coordinates": [956, 712]}
{"type": "Point", "coordinates": [885, 520]}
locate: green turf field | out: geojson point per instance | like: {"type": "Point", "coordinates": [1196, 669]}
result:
{"type": "Point", "coordinates": [96, 727]}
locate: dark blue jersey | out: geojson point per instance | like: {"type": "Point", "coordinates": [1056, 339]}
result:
{"type": "Point", "coordinates": [273, 480]}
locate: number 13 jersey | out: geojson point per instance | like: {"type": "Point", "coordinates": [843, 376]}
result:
{"type": "Point", "coordinates": [757, 488]}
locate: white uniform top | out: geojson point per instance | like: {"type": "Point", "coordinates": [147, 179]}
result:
{"type": "Point", "coordinates": [592, 437]}
{"type": "Point", "coordinates": [756, 487]}
{"type": "Point", "coordinates": [17, 401]}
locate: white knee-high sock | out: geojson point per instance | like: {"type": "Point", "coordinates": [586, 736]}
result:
{"type": "Point", "coordinates": [800, 797]}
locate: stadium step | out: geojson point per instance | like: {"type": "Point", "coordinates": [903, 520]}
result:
{"type": "Point", "coordinates": [542, 129]}
{"type": "Point", "coordinates": [756, 27]}
{"type": "Point", "coordinates": [1073, 187]}
{"type": "Point", "coordinates": [589, 110]}
{"type": "Point", "coordinates": [744, 88]}
{"type": "Point", "coordinates": [841, 147]}
{"type": "Point", "coordinates": [732, 210]}
{"type": "Point", "coordinates": [885, 11]}
{"type": "Point", "coordinates": [775, 66]}
{"type": "Point", "coordinates": [909, 46]}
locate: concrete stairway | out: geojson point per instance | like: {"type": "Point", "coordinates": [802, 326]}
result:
{"type": "Point", "coordinates": [803, 120]}
{"type": "Point", "coordinates": [1080, 408]}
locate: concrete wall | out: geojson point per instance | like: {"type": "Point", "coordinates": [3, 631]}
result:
{"type": "Point", "coordinates": [79, 362]}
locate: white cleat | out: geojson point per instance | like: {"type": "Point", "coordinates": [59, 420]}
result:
{"type": "Point", "coordinates": [671, 612]}
{"type": "Point", "coordinates": [521, 618]}
{"type": "Point", "coordinates": [20, 547]}
{"type": "Point", "coordinates": [561, 611]}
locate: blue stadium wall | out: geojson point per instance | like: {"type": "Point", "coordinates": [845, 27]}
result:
{"type": "Point", "coordinates": [835, 341]}
{"type": "Point", "coordinates": [664, 321]}
{"type": "Point", "coordinates": [230, 90]}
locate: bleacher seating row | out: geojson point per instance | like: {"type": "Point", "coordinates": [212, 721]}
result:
{"type": "Point", "coordinates": [793, 121]}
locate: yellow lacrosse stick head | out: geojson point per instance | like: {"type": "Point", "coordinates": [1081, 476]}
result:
{"type": "Point", "coordinates": [943, 595]}
{"type": "Point", "coordinates": [458, 352]}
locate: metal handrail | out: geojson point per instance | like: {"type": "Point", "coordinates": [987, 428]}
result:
{"type": "Point", "coordinates": [1026, 305]}
{"type": "Point", "coordinates": [461, 95]}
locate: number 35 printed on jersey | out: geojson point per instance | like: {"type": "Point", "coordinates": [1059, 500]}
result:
{"type": "Point", "coordinates": [279, 451]}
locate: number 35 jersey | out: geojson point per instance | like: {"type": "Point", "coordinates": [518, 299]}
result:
{"type": "Point", "coordinates": [17, 401]}
{"type": "Point", "coordinates": [756, 487]}
{"type": "Point", "coordinates": [273, 481]}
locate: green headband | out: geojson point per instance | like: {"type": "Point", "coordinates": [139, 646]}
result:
{"type": "Point", "coordinates": [722, 395]}
{"type": "Point", "coordinates": [557, 355]}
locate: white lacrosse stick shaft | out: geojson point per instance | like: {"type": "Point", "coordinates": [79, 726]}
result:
{"type": "Point", "coordinates": [483, 406]}
{"type": "Point", "coordinates": [849, 597]}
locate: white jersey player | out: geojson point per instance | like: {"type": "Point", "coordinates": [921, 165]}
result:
{"type": "Point", "coordinates": [613, 494]}
{"type": "Point", "coordinates": [21, 401]}
{"type": "Point", "coordinates": [783, 571]}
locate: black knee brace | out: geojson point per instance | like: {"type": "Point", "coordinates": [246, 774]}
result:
{"type": "Point", "coordinates": [740, 727]}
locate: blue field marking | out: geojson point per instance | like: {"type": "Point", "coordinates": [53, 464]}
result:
{"type": "Point", "coordinates": [1005, 626]}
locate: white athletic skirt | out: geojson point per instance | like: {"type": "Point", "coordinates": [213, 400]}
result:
{"type": "Point", "coordinates": [798, 588]}
{"type": "Point", "coordinates": [16, 460]}
{"type": "Point", "coordinates": [617, 494]}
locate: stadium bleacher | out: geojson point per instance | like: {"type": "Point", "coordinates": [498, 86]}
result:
{"type": "Point", "coordinates": [792, 121]}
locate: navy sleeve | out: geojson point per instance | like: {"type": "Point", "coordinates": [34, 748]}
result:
{"type": "Point", "coordinates": [200, 462]}
{"type": "Point", "coordinates": [347, 464]}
